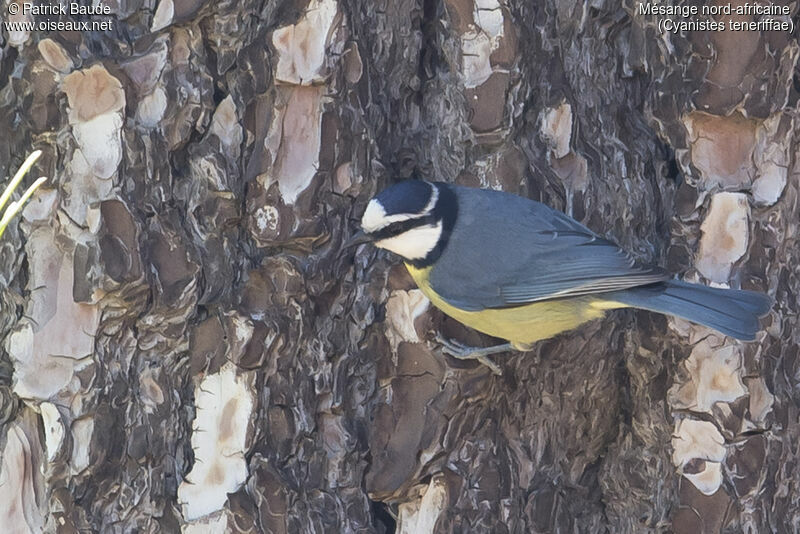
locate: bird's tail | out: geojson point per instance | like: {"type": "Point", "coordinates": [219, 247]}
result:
{"type": "Point", "coordinates": [732, 312]}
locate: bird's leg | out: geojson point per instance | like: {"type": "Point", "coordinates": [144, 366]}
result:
{"type": "Point", "coordinates": [465, 352]}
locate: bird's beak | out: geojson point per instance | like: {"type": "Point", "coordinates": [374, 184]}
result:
{"type": "Point", "coordinates": [359, 238]}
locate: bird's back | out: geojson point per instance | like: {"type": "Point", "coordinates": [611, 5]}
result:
{"type": "Point", "coordinates": [508, 250]}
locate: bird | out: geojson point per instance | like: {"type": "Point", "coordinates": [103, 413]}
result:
{"type": "Point", "coordinates": [516, 269]}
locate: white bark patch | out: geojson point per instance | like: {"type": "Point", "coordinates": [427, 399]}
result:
{"type": "Point", "coordinates": [402, 309]}
{"type": "Point", "coordinates": [36, 376]}
{"type": "Point", "coordinates": [556, 129]}
{"type": "Point", "coordinates": [242, 333]}
{"type": "Point", "coordinates": [722, 148]}
{"type": "Point", "coordinates": [769, 185]}
{"type": "Point", "coordinates": [18, 34]}
{"type": "Point", "coordinates": [165, 12]}
{"type": "Point", "coordinates": [53, 429]}
{"type": "Point", "coordinates": [573, 171]}
{"type": "Point", "coordinates": [21, 497]}
{"type": "Point", "coordinates": [267, 218]}
{"type": "Point", "coordinates": [224, 403]}
{"type": "Point", "coordinates": [92, 92]}
{"type": "Point", "coordinates": [84, 187]}
{"type": "Point", "coordinates": [145, 71]}
{"type": "Point", "coordinates": [41, 206]}
{"type": "Point", "coordinates": [713, 375]}
{"type": "Point", "coordinates": [205, 168]}
{"type": "Point", "coordinates": [151, 394]}
{"type": "Point", "coordinates": [774, 137]}
{"type": "Point", "coordinates": [476, 48]}
{"type": "Point", "coordinates": [151, 108]}
{"type": "Point", "coordinates": [483, 38]}
{"type": "Point", "coordinates": [698, 451]}
{"type": "Point", "coordinates": [96, 108]}
{"type": "Point", "coordinates": [298, 133]}
{"type": "Point", "coordinates": [301, 46]}
{"type": "Point", "coordinates": [82, 430]}
{"type": "Point", "coordinates": [57, 337]}
{"type": "Point", "coordinates": [343, 178]}
{"type": "Point", "coordinates": [420, 516]}
{"type": "Point", "coordinates": [489, 17]}
{"type": "Point", "coordinates": [761, 401]}
{"type": "Point", "coordinates": [55, 56]}
{"type": "Point", "coordinates": [708, 479]}
{"type": "Point", "coordinates": [214, 524]}
{"type": "Point", "coordinates": [735, 152]}
{"type": "Point", "coordinates": [225, 125]}
{"type": "Point", "coordinates": [725, 236]}
{"type": "Point", "coordinates": [100, 143]}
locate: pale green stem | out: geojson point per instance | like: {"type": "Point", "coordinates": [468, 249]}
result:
{"type": "Point", "coordinates": [19, 176]}
{"type": "Point", "coordinates": [15, 207]}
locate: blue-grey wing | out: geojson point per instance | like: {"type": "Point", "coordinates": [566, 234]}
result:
{"type": "Point", "coordinates": [506, 250]}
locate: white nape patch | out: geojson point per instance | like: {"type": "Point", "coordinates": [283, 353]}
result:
{"type": "Point", "coordinates": [413, 244]}
{"type": "Point", "coordinates": [434, 199]}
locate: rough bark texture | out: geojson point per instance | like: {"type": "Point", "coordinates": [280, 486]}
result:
{"type": "Point", "coordinates": [186, 346]}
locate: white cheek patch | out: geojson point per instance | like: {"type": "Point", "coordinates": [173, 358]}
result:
{"type": "Point", "coordinates": [413, 244]}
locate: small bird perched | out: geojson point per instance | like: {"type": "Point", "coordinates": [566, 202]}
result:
{"type": "Point", "coordinates": [519, 270]}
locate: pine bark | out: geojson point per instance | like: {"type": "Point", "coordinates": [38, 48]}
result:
{"type": "Point", "coordinates": [183, 272]}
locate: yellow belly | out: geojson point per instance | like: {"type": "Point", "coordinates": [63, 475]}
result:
{"type": "Point", "coordinates": [521, 325]}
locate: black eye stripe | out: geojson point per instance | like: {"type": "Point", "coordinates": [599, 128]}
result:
{"type": "Point", "coordinates": [400, 227]}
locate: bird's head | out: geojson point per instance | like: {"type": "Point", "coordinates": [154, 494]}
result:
{"type": "Point", "coordinates": [412, 219]}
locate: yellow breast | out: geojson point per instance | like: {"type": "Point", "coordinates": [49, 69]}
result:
{"type": "Point", "coordinates": [521, 325]}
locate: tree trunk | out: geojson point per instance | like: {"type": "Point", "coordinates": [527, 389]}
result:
{"type": "Point", "coordinates": [189, 347]}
